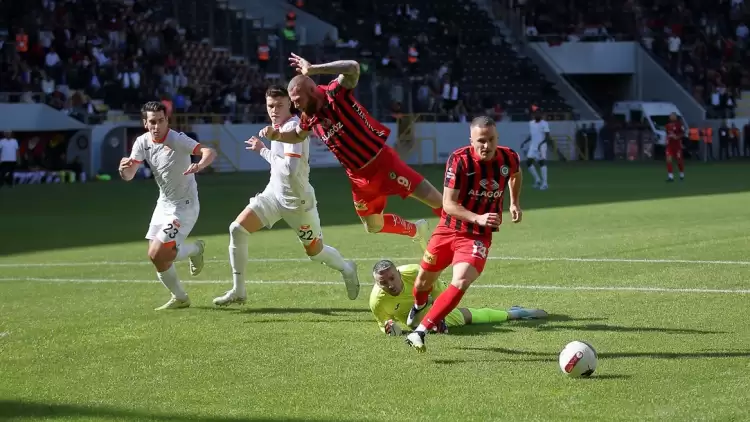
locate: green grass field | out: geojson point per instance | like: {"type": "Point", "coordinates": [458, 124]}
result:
{"type": "Point", "coordinates": [653, 275]}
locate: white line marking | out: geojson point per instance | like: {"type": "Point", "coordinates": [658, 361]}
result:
{"type": "Point", "coordinates": [492, 258]}
{"type": "Point", "coordinates": [480, 286]}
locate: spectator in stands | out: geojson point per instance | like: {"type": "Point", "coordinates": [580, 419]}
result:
{"type": "Point", "coordinates": [9, 158]}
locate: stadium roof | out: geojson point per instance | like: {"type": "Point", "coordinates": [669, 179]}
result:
{"type": "Point", "coordinates": [35, 118]}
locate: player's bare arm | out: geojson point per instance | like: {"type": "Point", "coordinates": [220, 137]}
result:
{"type": "Point", "coordinates": [207, 157]}
{"type": "Point", "coordinates": [128, 167]}
{"type": "Point", "coordinates": [514, 186]}
{"type": "Point", "coordinates": [348, 70]}
{"type": "Point", "coordinates": [293, 136]}
{"type": "Point", "coordinates": [452, 206]}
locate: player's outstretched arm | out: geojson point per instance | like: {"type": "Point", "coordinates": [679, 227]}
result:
{"type": "Point", "coordinates": [293, 135]}
{"type": "Point", "coordinates": [348, 71]}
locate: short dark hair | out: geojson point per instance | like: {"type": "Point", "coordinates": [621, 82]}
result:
{"type": "Point", "coordinates": [154, 107]}
{"type": "Point", "coordinates": [275, 91]}
{"type": "Point", "coordinates": [382, 265]}
{"type": "Point", "coordinates": [483, 121]}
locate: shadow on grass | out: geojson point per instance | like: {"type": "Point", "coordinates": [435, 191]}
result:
{"type": "Point", "coordinates": [621, 329]}
{"type": "Point", "coordinates": [73, 209]}
{"type": "Point", "coordinates": [287, 311]}
{"type": "Point", "coordinates": [529, 356]}
{"type": "Point", "coordinates": [19, 410]}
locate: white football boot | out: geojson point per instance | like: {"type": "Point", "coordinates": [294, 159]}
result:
{"type": "Point", "coordinates": [197, 262]}
{"type": "Point", "coordinates": [229, 298]}
{"type": "Point", "coordinates": [423, 233]}
{"type": "Point", "coordinates": [174, 303]}
{"type": "Point", "coordinates": [351, 279]}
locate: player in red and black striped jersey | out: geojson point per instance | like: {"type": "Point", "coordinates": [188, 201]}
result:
{"type": "Point", "coordinates": [475, 181]}
{"type": "Point", "coordinates": [675, 133]}
{"type": "Point", "coordinates": [359, 143]}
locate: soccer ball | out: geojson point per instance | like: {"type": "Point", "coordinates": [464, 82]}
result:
{"type": "Point", "coordinates": [578, 359]}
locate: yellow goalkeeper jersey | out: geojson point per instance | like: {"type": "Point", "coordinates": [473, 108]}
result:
{"type": "Point", "coordinates": [385, 307]}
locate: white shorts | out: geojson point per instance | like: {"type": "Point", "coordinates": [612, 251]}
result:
{"type": "Point", "coordinates": [305, 222]}
{"type": "Point", "coordinates": [172, 224]}
{"type": "Point", "coordinates": [537, 152]}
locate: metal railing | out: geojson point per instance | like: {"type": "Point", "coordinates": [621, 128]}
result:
{"type": "Point", "coordinates": [17, 97]}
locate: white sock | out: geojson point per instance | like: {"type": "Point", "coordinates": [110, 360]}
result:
{"type": "Point", "coordinates": [239, 238]}
{"type": "Point", "coordinates": [330, 257]}
{"type": "Point", "coordinates": [669, 175]}
{"type": "Point", "coordinates": [186, 250]}
{"type": "Point", "coordinates": [682, 174]}
{"type": "Point", "coordinates": [170, 280]}
{"type": "Point", "coordinates": [421, 328]}
{"type": "Point", "coordinates": [544, 174]}
{"type": "Point", "coordinates": [534, 173]}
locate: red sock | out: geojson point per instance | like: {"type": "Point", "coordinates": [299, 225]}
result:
{"type": "Point", "coordinates": [669, 167]}
{"type": "Point", "coordinates": [438, 211]}
{"type": "Point", "coordinates": [444, 304]}
{"type": "Point", "coordinates": [396, 225]}
{"type": "Point", "coordinates": [420, 298]}
{"type": "Point", "coordinates": [681, 164]}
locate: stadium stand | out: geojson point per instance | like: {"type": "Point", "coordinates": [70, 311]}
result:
{"type": "Point", "coordinates": [702, 45]}
{"type": "Point", "coordinates": [60, 54]}
{"type": "Point", "coordinates": [451, 54]}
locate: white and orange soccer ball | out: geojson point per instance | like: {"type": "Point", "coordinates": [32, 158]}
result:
{"type": "Point", "coordinates": [578, 359]}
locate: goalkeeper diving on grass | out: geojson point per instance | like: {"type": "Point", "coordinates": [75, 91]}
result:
{"type": "Point", "coordinates": [391, 300]}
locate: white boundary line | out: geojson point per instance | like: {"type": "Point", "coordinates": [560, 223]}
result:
{"type": "Point", "coordinates": [492, 258]}
{"type": "Point", "coordinates": [480, 286]}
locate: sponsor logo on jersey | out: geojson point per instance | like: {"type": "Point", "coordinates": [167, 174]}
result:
{"type": "Point", "coordinates": [429, 258]}
{"type": "Point", "coordinates": [363, 115]}
{"type": "Point", "coordinates": [489, 184]}
{"type": "Point", "coordinates": [334, 129]}
{"type": "Point", "coordinates": [486, 193]}
{"type": "Point", "coordinates": [449, 174]}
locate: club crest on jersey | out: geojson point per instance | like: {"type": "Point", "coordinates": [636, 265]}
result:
{"type": "Point", "coordinates": [392, 175]}
{"type": "Point", "coordinates": [304, 227]}
{"type": "Point", "coordinates": [326, 123]}
{"type": "Point", "coordinates": [360, 205]}
{"type": "Point", "coordinates": [504, 170]}
{"type": "Point", "coordinates": [176, 223]}
{"type": "Point", "coordinates": [429, 258]}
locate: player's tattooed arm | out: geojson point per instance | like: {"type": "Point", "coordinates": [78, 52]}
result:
{"type": "Point", "coordinates": [348, 71]}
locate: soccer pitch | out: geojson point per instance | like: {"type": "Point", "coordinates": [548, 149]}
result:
{"type": "Point", "coordinates": [653, 275]}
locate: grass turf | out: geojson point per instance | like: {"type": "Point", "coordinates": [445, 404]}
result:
{"type": "Point", "coordinates": [79, 339]}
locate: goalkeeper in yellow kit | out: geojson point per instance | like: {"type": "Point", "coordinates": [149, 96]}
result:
{"type": "Point", "coordinates": [391, 300]}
